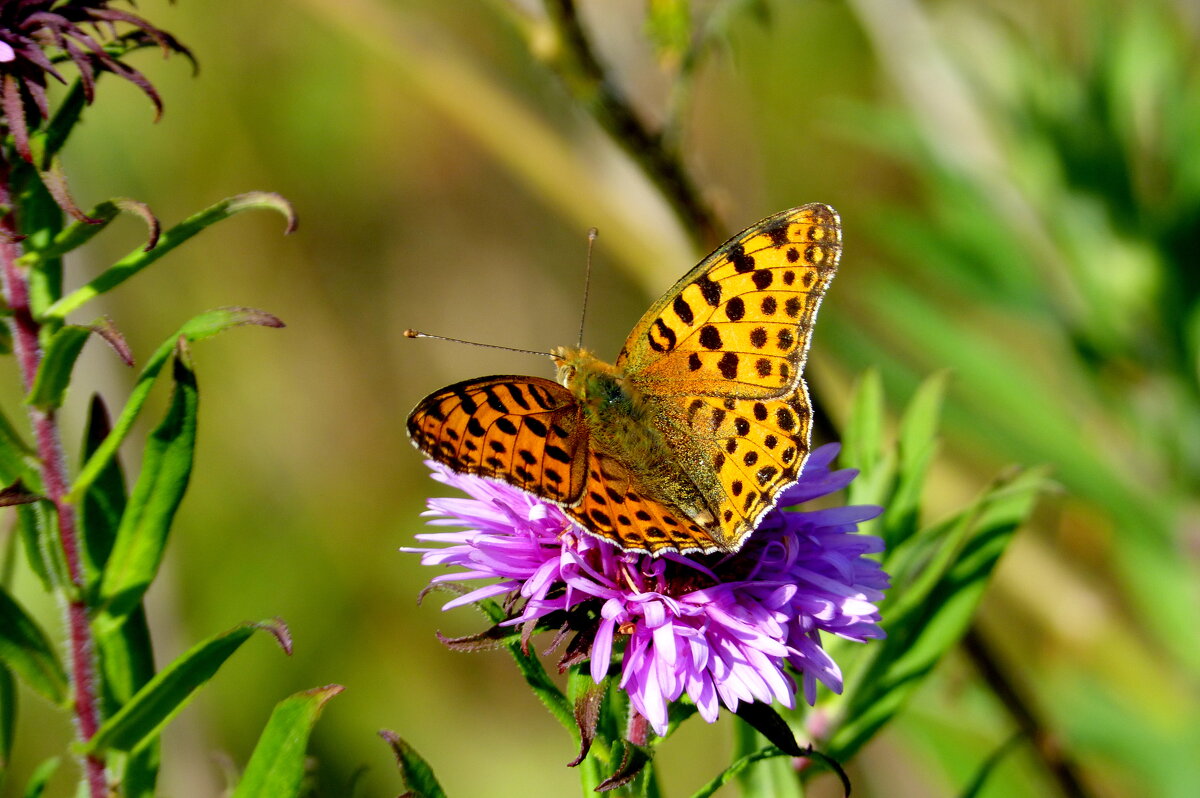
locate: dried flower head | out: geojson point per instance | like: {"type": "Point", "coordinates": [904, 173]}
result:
{"type": "Point", "coordinates": [723, 629]}
{"type": "Point", "coordinates": [38, 35]}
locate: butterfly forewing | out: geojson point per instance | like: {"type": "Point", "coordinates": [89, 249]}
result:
{"type": "Point", "coordinates": [525, 431]}
{"type": "Point", "coordinates": [739, 323]}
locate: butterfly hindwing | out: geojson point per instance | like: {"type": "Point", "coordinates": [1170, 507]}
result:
{"type": "Point", "coordinates": [526, 431]}
{"type": "Point", "coordinates": [739, 323]}
{"type": "Point", "coordinates": [616, 508]}
{"type": "Point", "coordinates": [755, 448]}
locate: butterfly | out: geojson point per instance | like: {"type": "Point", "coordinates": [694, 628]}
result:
{"type": "Point", "coordinates": [685, 442]}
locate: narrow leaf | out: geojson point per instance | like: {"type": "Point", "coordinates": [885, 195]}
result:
{"type": "Point", "coordinates": [139, 259]}
{"type": "Point", "coordinates": [79, 233]}
{"type": "Point", "coordinates": [862, 438]}
{"type": "Point", "coordinates": [731, 772]}
{"type": "Point", "coordinates": [127, 664]}
{"type": "Point", "coordinates": [8, 718]}
{"type": "Point", "coordinates": [587, 718]}
{"type": "Point", "coordinates": [107, 330]}
{"type": "Point", "coordinates": [416, 776]}
{"type": "Point", "coordinates": [634, 760]}
{"type": "Point", "coordinates": [13, 452]}
{"type": "Point", "coordinates": [54, 373]}
{"type": "Point", "coordinates": [36, 787]}
{"type": "Point", "coordinates": [931, 614]}
{"type": "Point", "coordinates": [203, 326]}
{"type": "Point", "coordinates": [767, 722]}
{"type": "Point", "coordinates": [17, 493]}
{"type": "Point", "coordinates": [916, 445]}
{"type": "Point", "coordinates": [104, 502]}
{"type": "Point", "coordinates": [27, 652]}
{"type": "Point", "coordinates": [276, 768]}
{"type": "Point", "coordinates": [146, 522]}
{"type": "Point", "coordinates": [143, 717]}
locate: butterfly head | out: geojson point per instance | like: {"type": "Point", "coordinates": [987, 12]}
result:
{"type": "Point", "coordinates": [581, 372]}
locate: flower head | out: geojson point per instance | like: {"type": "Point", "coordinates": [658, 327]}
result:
{"type": "Point", "coordinates": [35, 35]}
{"type": "Point", "coordinates": [720, 628]}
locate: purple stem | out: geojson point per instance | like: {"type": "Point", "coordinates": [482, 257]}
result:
{"type": "Point", "coordinates": [28, 351]}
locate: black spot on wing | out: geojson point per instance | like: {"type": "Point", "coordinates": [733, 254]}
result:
{"type": "Point", "coordinates": [683, 310]}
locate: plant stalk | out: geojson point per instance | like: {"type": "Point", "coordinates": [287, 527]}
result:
{"type": "Point", "coordinates": [1046, 746]}
{"type": "Point", "coordinates": [48, 437]}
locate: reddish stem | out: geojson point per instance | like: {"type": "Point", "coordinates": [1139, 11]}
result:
{"type": "Point", "coordinates": [28, 352]}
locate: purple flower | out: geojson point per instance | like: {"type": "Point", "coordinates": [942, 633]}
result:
{"type": "Point", "coordinates": [720, 628]}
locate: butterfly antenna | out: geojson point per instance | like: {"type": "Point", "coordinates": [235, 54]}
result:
{"type": "Point", "coordinates": [587, 282]}
{"type": "Point", "coordinates": [418, 334]}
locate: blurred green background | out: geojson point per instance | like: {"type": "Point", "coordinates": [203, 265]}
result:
{"type": "Point", "coordinates": [1019, 183]}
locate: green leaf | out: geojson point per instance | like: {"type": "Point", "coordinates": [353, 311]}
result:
{"type": "Point", "coordinates": [416, 776]}
{"type": "Point", "coordinates": [126, 658]}
{"type": "Point", "coordinates": [8, 718]}
{"type": "Point", "coordinates": [47, 144]}
{"type": "Point", "coordinates": [27, 652]}
{"type": "Point", "coordinates": [276, 767]}
{"type": "Point", "coordinates": [79, 233]}
{"type": "Point", "coordinates": [34, 526]}
{"type": "Point", "coordinates": [916, 445]}
{"type": "Point", "coordinates": [41, 777]}
{"type": "Point", "coordinates": [146, 522]}
{"type": "Point", "coordinates": [144, 715]}
{"type": "Point", "coordinates": [54, 373]}
{"type": "Point", "coordinates": [930, 608]}
{"type": "Point", "coordinates": [203, 326]}
{"type": "Point", "coordinates": [40, 220]}
{"type": "Point", "coordinates": [862, 443]}
{"type": "Point", "coordinates": [104, 502]}
{"type": "Point", "coordinates": [139, 259]}
{"type": "Point", "coordinates": [772, 776]}
{"type": "Point", "coordinates": [862, 439]}
{"type": "Point", "coordinates": [731, 772]}
{"type": "Point", "coordinates": [15, 455]}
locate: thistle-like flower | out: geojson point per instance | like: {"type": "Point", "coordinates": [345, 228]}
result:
{"type": "Point", "coordinates": [724, 629]}
{"type": "Point", "coordinates": [37, 35]}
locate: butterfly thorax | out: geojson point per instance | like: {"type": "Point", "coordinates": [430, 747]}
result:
{"type": "Point", "coordinates": [621, 424]}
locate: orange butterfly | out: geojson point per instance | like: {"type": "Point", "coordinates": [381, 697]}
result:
{"type": "Point", "coordinates": [688, 439]}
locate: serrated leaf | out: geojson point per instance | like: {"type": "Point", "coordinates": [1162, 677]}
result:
{"type": "Point", "coordinates": [79, 233]}
{"type": "Point", "coordinates": [930, 614]}
{"type": "Point", "coordinates": [416, 776]}
{"type": "Point", "coordinates": [166, 469]}
{"type": "Point", "coordinates": [164, 696]}
{"type": "Point", "coordinates": [276, 768]}
{"type": "Point", "coordinates": [54, 372]}
{"type": "Point", "coordinates": [27, 651]}
{"type": "Point", "coordinates": [139, 259]}
{"type": "Point", "coordinates": [202, 326]}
